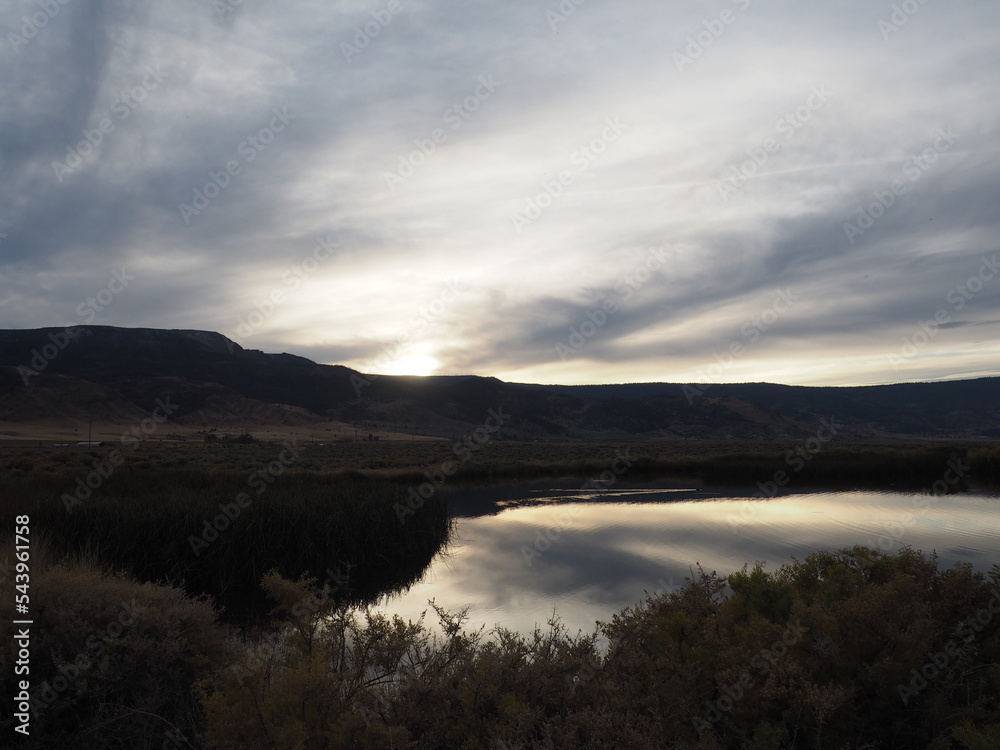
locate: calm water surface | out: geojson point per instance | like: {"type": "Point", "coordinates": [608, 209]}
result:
{"type": "Point", "coordinates": [522, 551]}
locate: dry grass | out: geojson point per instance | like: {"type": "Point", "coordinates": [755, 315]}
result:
{"type": "Point", "coordinates": [836, 464]}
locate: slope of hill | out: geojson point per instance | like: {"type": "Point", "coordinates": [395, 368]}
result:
{"type": "Point", "coordinates": [118, 375]}
{"type": "Point", "coordinates": [946, 407]}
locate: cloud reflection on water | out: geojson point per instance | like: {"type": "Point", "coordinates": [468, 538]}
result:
{"type": "Point", "coordinates": [622, 543]}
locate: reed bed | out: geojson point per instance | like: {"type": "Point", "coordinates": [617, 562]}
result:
{"type": "Point", "coordinates": [188, 528]}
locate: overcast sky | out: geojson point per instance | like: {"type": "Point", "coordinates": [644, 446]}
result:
{"type": "Point", "coordinates": [723, 191]}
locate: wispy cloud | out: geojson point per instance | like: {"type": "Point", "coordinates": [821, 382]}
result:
{"type": "Point", "coordinates": [408, 96]}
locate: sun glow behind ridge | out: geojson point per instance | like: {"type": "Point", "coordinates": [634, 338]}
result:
{"type": "Point", "coordinates": [411, 364]}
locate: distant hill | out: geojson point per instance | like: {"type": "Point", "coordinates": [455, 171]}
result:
{"type": "Point", "coordinates": [117, 375]}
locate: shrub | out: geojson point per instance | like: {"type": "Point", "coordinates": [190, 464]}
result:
{"type": "Point", "coordinates": [341, 678]}
{"type": "Point", "coordinates": [113, 661]}
{"type": "Point", "coordinates": [830, 652]}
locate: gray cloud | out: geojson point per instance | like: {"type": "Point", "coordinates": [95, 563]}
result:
{"type": "Point", "coordinates": [367, 94]}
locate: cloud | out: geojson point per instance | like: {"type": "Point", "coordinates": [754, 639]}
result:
{"type": "Point", "coordinates": [415, 134]}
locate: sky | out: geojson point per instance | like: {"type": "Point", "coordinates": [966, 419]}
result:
{"type": "Point", "coordinates": [574, 192]}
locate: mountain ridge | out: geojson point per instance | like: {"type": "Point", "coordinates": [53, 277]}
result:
{"type": "Point", "coordinates": [117, 373]}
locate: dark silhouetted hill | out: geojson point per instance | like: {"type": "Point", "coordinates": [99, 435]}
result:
{"type": "Point", "coordinates": [118, 374]}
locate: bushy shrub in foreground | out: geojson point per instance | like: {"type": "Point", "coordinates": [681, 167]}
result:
{"type": "Point", "coordinates": [845, 649]}
{"type": "Point", "coordinates": [112, 660]}
{"type": "Point", "coordinates": [849, 649]}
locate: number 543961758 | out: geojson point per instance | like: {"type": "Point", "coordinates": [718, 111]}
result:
{"type": "Point", "coordinates": [22, 551]}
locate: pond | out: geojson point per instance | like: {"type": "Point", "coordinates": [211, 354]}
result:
{"type": "Point", "coordinates": [520, 552]}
